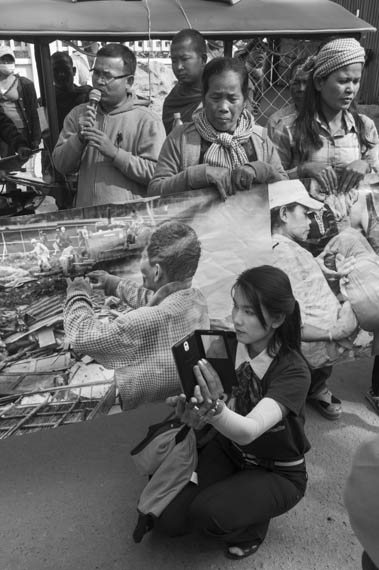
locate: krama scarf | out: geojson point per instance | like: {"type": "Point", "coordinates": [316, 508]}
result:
{"type": "Point", "coordinates": [334, 55]}
{"type": "Point", "coordinates": [226, 149]}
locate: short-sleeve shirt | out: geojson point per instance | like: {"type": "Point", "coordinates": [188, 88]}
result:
{"type": "Point", "coordinates": [286, 381]}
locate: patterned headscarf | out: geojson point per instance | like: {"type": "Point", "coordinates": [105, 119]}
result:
{"type": "Point", "coordinates": [336, 54]}
{"type": "Point", "coordinates": [226, 149]}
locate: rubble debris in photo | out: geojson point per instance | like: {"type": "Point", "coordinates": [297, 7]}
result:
{"type": "Point", "coordinates": [43, 383]}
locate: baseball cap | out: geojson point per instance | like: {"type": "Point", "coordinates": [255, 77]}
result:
{"type": "Point", "coordinates": [290, 191]}
{"type": "Point", "coordinates": [6, 50]}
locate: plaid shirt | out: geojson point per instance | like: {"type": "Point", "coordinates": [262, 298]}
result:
{"type": "Point", "coordinates": [138, 343]}
{"type": "Point", "coordinates": [338, 149]}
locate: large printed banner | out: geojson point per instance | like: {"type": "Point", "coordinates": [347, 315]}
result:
{"type": "Point", "coordinates": [234, 234]}
{"type": "Point", "coordinates": [38, 252]}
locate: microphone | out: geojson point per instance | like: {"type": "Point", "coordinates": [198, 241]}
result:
{"type": "Point", "coordinates": [94, 98]}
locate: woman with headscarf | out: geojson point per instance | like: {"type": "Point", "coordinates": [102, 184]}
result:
{"type": "Point", "coordinates": [330, 141]}
{"type": "Point", "coordinates": [221, 146]}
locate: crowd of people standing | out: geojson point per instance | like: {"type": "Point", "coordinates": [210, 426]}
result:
{"type": "Point", "coordinates": [289, 317]}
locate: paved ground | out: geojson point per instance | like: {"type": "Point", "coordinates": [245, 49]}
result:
{"type": "Point", "coordinates": [68, 497]}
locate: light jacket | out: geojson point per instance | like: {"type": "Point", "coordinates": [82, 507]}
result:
{"type": "Point", "coordinates": [135, 130]}
{"type": "Point", "coordinates": [178, 167]}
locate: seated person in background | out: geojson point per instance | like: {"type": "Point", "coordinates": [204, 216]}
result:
{"type": "Point", "coordinates": [297, 84]}
{"type": "Point", "coordinates": [138, 343]}
{"type": "Point", "coordinates": [114, 147]}
{"type": "Point", "coordinates": [324, 318]}
{"type": "Point", "coordinates": [254, 468]}
{"type": "Point", "coordinates": [67, 94]}
{"type": "Point", "coordinates": [221, 146]}
{"type": "Point", "coordinates": [188, 58]}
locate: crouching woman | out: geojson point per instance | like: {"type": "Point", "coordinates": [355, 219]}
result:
{"type": "Point", "coordinates": [254, 468]}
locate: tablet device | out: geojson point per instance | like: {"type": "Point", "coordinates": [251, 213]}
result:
{"type": "Point", "coordinates": [217, 346]}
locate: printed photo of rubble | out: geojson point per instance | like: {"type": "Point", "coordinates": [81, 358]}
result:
{"type": "Point", "coordinates": [37, 255]}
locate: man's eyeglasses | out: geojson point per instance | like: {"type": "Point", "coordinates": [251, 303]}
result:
{"type": "Point", "coordinates": [107, 78]}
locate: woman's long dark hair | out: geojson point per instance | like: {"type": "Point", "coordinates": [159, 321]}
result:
{"type": "Point", "coordinates": [307, 129]}
{"type": "Point", "coordinates": [270, 287]}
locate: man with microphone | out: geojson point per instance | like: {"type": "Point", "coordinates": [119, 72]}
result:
{"type": "Point", "coordinates": [112, 141]}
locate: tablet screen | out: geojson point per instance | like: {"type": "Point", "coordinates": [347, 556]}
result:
{"type": "Point", "coordinates": [214, 346]}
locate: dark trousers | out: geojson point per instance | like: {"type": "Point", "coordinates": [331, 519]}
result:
{"type": "Point", "coordinates": [231, 504]}
{"type": "Point", "coordinates": [367, 563]}
{"type": "Point", "coordinates": [319, 377]}
{"type": "Point", "coordinates": [375, 377]}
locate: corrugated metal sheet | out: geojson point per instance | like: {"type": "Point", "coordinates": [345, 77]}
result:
{"type": "Point", "coordinates": [163, 18]}
{"type": "Point", "coordinates": [368, 10]}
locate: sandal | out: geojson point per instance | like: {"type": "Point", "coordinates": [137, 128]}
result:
{"type": "Point", "coordinates": [245, 550]}
{"type": "Point", "coordinates": [326, 404]}
{"type": "Point", "coordinates": [144, 524]}
{"type": "Point", "coordinates": [374, 400]}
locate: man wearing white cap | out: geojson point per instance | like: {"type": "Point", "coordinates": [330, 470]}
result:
{"type": "Point", "coordinates": [325, 320]}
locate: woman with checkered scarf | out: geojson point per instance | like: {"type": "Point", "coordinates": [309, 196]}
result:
{"type": "Point", "coordinates": [222, 146]}
{"type": "Point", "coordinates": [329, 114]}
{"type": "Point", "coordinates": [332, 147]}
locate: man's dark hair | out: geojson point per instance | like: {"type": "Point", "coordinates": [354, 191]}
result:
{"type": "Point", "coordinates": [62, 56]}
{"type": "Point", "coordinates": [197, 40]}
{"type": "Point", "coordinates": [119, 50]}
{"type": "Point", "coordinates": [176, 247]}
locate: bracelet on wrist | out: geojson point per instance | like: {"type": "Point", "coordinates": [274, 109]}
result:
{"type": "Point", "coordinates": [217, 408]}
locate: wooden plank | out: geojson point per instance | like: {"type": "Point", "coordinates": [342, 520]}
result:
{"type": "Point", "coordinates": [64, 416]}
{"type": "Point", "coordinates": [25, 419]}
{"type": "Point", "coordinates": [19, 419]}
{"type": "Point", "coordinates": [20, 383]}
{"type": "Point", "coordinates": [50, 321]}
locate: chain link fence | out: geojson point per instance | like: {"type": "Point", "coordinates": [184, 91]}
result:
{"type": "Point", "coordinates": [269, 61]}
